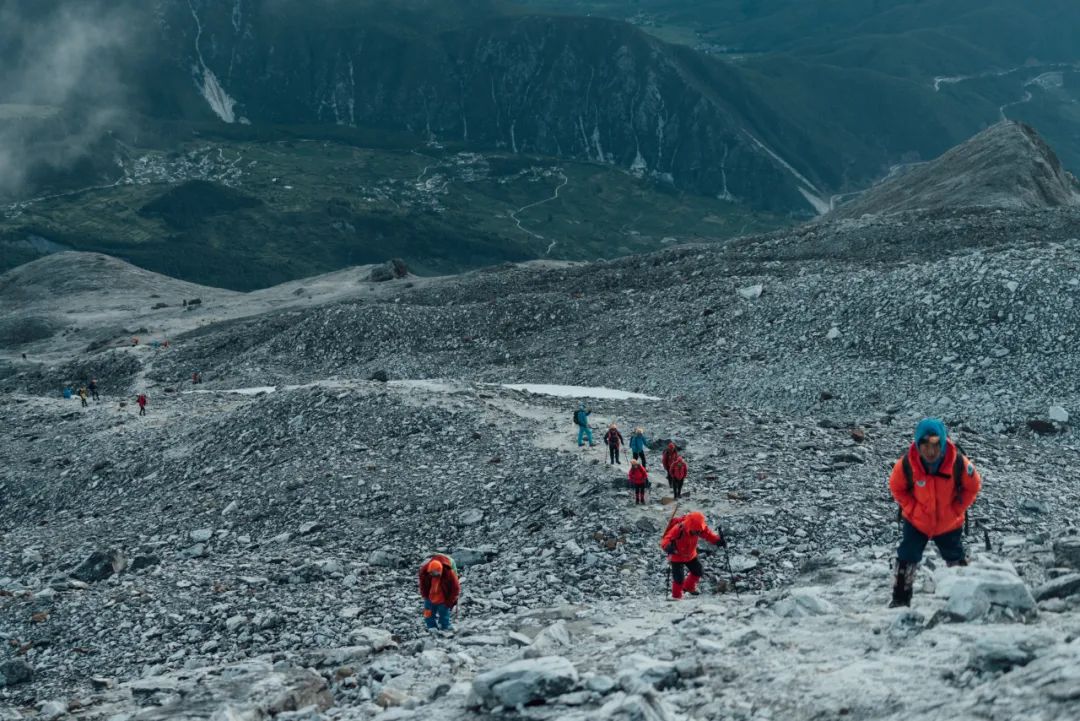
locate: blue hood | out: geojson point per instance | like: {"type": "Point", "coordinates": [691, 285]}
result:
{"type": "Point", "coordinates": [932, 427]}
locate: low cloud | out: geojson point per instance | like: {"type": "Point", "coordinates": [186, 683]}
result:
{"type": "Point", "coordinates": [62, 85]}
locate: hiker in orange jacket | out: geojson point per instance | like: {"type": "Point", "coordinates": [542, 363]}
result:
{"type": "Point", "coordinates": [440, 588]}
{"type": "Point", "coordinates": [680, 543]}
{"type": "Point", "coordinates": [677, 470]}
{"type": "Point", "coordinates": [934, 484]}
{"type": "Point", "coordinates": [638, 477]}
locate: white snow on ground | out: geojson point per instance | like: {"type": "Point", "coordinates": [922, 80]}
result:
{"type": "Point", "coordinates": [577, 391]}
{"type": "Point", "coordinates": [211, 89]}
{"type": "Point", "coordinates": [442, 386]}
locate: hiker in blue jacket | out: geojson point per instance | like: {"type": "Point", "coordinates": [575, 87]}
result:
{"type": "Point", "coordinates": [581, 418]}
{"type": "Point", "coordinates": [638, 442]}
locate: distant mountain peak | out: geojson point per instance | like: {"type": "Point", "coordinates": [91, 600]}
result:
{"type": "Point", "coordinates": [1007, 166]}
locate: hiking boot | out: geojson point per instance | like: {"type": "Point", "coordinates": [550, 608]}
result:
{"type": "Point", "coordinates": [953, 564]}
{"type": "Point", "coordinates": [903, 584]}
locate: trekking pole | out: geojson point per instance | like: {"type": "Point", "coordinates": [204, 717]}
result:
{"type": "Point", "coordinates": [727, 561]}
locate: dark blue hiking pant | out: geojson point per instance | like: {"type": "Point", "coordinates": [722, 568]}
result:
{"type": "Point", "coordinates": [950, 545]}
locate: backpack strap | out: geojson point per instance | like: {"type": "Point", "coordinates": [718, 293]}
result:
{"type": "Point", "coordinates": [909, 475]}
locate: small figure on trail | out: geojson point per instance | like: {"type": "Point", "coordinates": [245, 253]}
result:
{"type": "Point", "coordinates": [676, 473]}
{"type": "Point", "coordinates": [142, 401]}
{"type": "Point", "coordinates": [196, 378]}
{"type": "Point", "coordinates": [614, 441]}
{"type": "Point", "coordinates": [135, 340]}
{"type": "Point", "coordinates": [581, 418]}
{"type": "Point", "coordinates": [934, 484]}
{"type": "Point", "coordinates": [638, 476]}
{"type": "Point", "coordinates": [638, 442]}
{"type": "Point", "coordinates": [68, 392]}
{"type": "Point", "coordinates": [93, 389]}
{"type": "Point", "coordinates": [680, 543]}
{"type": "Point", "coordinates": [665, 460]}
{"type": "Point", "coordinates": [83, 395]}
{"type": "Point", "coordinates": [440, 588]}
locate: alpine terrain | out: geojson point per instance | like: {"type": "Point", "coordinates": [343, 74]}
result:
{"type": "Point", "coordinates": [217, 504]}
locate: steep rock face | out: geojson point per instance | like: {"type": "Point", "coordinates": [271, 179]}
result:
{"type": "Point", "coordinates": [1006, 166]}
{"type": "Point", "coordinates": [583, 88]}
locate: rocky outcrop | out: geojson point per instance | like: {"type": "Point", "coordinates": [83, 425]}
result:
{"type": "Point", "coordinates": [1007, 166]}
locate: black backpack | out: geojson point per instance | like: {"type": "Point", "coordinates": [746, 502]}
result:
{"type": "Point", "coordinates": [958, 479]}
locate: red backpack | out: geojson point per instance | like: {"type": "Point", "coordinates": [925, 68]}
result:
{"type": "Point", "coordinates": [678, 469]}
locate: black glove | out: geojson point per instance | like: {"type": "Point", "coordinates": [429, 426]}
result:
{"type": "Point", "coordinates": [670, 548]}
{"type": "Point", "coordinates": [722, 542]}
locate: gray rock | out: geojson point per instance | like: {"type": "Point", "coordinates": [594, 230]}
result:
{"type": "Point", "coordinates": [1058, 414]}
{"type": "Point", "coordinates": [993, 655]}
{"type": "Point", "coordinates": [967, 603]}
{"type": "Point", "coordinates": [804, 602]}
{"type": "Point", "coordinates": [524, 682]}
{"type": "Point", "coordinates": [98, 566]}
{"type": "Point", "coordinates": [639, 674]}
{"type": "Point", "coordinates": [1067, 551]}
{"type": "Point", "coordinates": [751, 292]}
{"type": "Point", "coordinates": [997, 582]}
{"type": "Point", "coordinates": [52, 710]}
{"type": "Point", "coordinates": [201, 535]}
{"type": "Point", "coordinates": [465, 557]}
{"type": "Point", "coordinates": [15, 671]}
{"type": "Point", "coordinates": [1060, 587]}
{"type": "Point", "coordinates": [143, 561]}
{"type": "Point", "coordinates": [471, 517]}
{"type": "Point", "coordinates": [380, 557]}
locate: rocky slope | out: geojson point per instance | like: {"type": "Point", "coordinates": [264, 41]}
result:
{"type": "Point", "coordinates": [249, 548]}
{"type": "Point", "coordinates": [1007, 166]}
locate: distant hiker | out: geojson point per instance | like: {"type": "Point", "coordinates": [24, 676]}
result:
{"type": "Point", "coordinates": [68, 392]}
{"type": "Point", "coordinates": [196, 378]}
{"type": "Point", "coordinates": [935, 484]}
{"type": "Point", "coordinates": [440, 588]}
{"type": "Point", "coordinates": [142, 401]}
{"type": "Point", "coordinates": [93, 389]}
{"type": "Point", "coordinates": [614, 441]}
{"type": "Point", "coordinates": [638, 477]}
{"type": "Point", "coordinates": [638, 442]}
{"type": "Point", "coordinates": [135, 341]}
{"type": "Point", "coordinates": [581, 418]}
{"type": "Point", "coordinates": [83, 395]}
{"type": "Point", "coordinates": [24, 356]}
{"type": "Point", "coordinates": [680, 543]}
{"type": "Point", "coordinates": [676, 473]}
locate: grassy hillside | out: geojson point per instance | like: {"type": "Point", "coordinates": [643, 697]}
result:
{"type": "Point", "coordinates": [262, 212]}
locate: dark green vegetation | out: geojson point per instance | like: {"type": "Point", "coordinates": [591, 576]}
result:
{"type": "Point", "coordinates": [660, 118]}
{"type": "Point", "coordinates": [272, 211]}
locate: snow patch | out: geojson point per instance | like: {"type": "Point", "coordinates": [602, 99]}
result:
{"type": "Point", "coordinates": [577, 391]}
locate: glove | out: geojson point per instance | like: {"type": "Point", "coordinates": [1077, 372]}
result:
{"type": "Point", "coordinates": [670, 548]}
{"type": "Point", "coordinates": [722, 542]}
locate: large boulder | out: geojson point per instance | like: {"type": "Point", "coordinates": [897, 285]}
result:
{"type": "Point", "coordinates": [1060, 587]}
{"type": "Point", "coordinates": [99, 565]}
{"type": "Point", "coordinates": [972, 590]}
{"type": "Point", "coordinates": [15, 671]}
{"type": "Point", "coordinates": [1067, 551]}
{"type": "Point", "coordinates": [526, 682]}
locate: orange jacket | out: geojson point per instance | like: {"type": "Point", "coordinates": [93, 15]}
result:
{"type": "Point", "coordinates": [680, 541]}
{"type": "Point", "coordinates": [932, 505]}
{"type": "Point", "coordinates": [448, 582]}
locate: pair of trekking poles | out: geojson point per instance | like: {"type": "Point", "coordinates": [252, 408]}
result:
{"type": "Point", "coordinates": [727, 558]}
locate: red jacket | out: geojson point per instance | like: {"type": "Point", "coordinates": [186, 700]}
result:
{"type": "Point", "coordinates": [932, 505]}
{"type": "Point", "coordinates": [451, 587]}
{"type": "Point", "coordinates": [680, 541]}
{"type": "Point", "coordinates": [141, 400]}
{"type": "Point", "coordinates": [638, 475]}
{"type": "Point", "coordinates": [677, 469]}
{"type": "Point", "coordinates": [613, 438]}
{"type": "Point", "coordinates": [669, 453]}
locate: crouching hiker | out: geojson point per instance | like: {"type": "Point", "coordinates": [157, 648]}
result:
{"type": "Point", "coordinates": [638, 477]}
{"type": "Point", "coordinates": [934, 484]}
{"type": "Point", "coordinates": [680, 544]}
{"type": "Point", "coordinates": [440, 588]}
